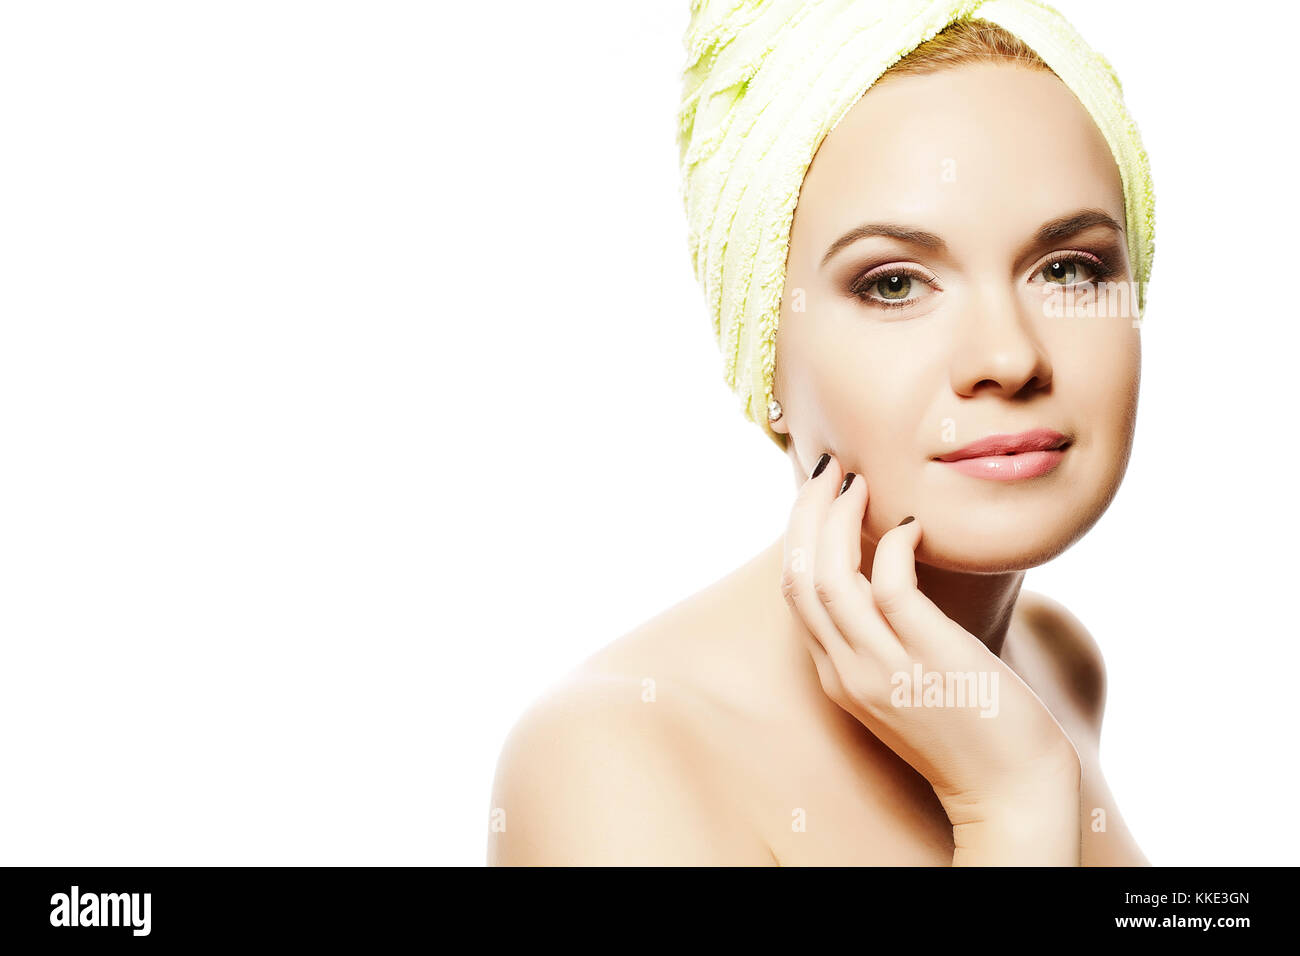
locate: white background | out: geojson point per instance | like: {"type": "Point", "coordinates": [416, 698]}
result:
{"type": "Point", "coordinates": [354, 387]}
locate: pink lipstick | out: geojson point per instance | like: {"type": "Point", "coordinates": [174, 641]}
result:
{"type": "Point", "coordinates": [1004, 457]}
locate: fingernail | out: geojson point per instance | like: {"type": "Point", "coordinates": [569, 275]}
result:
{"type": "Point", "coordinates": [906, 520]}
{"type": "Point", "coordinates": [848, 480]}
{"type": "Point", "coordinates": [822, 462]}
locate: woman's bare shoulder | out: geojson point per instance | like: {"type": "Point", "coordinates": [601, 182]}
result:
{"type": "Point", "coordinates": [612, 764]}
{"type": "Point", "coordinates": [719, 648]}
{"type": "Point", "coordinates": [1059, 653]}
{"type": "Point", "coordinates": [601, 771]}
{"type": "Point", "coordinates": [1063, 664]}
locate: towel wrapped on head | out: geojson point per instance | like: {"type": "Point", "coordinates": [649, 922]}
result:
{"type": "Point", "coordinates": [766, 80]}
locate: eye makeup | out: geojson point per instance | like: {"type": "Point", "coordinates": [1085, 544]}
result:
{"type": "Point", "coordinates": [874, 285]}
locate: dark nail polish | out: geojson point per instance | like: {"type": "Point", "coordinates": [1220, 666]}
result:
{"type": "Point", "coordinates": [822, 462]}
{"type": "Point", "coordinates": [848, 480]}
{"type": "Point", "coordinates": [906, 520]}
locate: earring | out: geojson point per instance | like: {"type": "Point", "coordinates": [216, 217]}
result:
{"type": "Point", "coordinates": [774, 411]}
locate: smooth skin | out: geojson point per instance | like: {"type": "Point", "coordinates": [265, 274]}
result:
{"type": "Point", "coordinates": [753, 723]}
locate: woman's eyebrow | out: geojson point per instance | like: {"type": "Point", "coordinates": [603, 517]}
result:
{"type": "Point", "coordinates": [910, 234]}
{"type": "Point", "coordinates": [1054, 230]}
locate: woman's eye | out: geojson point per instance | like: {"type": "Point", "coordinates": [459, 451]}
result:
{"type": "Point", "coordinates": [1063, 271]}
{"type": "Point", "coordinates": [1066, 270]}
{"type": "Point", "coordinates": [891, 288]}
{"type": "Point", "coordinates": [894, 287]}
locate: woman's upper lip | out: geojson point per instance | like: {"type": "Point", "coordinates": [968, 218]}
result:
{"type": "Point", "coordinates": [1036, 439]}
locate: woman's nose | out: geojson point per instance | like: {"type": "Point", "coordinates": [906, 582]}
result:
{"type": "Point", "coordinates": [998, 348]}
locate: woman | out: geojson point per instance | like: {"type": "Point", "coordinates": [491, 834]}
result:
{"type": "Point", "coordinates": [875, 687]}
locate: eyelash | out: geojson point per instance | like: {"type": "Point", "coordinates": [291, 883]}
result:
{"type": "Point", "coordinates": [1101, 266]}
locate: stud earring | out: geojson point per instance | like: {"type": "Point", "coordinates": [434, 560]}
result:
{"type": "Point", "coordinates": [774, 411]}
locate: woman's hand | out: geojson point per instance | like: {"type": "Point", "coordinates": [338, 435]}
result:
{"type": "Point", "coordinates": [1004, 770]}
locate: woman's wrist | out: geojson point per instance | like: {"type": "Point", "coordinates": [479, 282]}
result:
{"type": "Point", "coordinates": [1044, 834]}
{"type": "Point", "coordinates": [1030, 822]}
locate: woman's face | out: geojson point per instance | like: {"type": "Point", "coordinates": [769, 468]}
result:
{"type": "Point", "coordinates": [895, 350]}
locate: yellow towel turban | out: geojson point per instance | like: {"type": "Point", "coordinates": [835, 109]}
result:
{"type": "Point", "coordinates": [766, 80]}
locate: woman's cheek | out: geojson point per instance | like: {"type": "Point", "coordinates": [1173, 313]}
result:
{"type": "Point", "coordinates": [863, 402]}
{"type": "Point", "coordinates": [1098, 389]}
{"type": "Point", "coordinates": [1107, 385]}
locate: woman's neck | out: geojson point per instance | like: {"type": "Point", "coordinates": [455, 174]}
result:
{"type": "Point", "coordinates": [981, 603]}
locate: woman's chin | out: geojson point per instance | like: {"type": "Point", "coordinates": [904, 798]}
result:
{"type": "Point", "coordinates": [984, 557]}
{"type": "Point", "coordinates": [954, 544]}
{"type": "Point", "coordinates": [1014, 533]}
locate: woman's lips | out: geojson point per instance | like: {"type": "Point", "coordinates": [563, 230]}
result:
{"type": "Point", "coordinates": [1009, 457]}
{"type": "Point", "coordinates": [1028, 464]}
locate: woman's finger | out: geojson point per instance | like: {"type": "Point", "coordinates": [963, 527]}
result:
{"type": "Point", "coordinates": [839, 580]}
{"type": "Point", "coordinates": [921, 626]}
{"type": "Point", "coordinates": [827, 674]}
{"type": "Point", "coordinates": [797, 575]}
